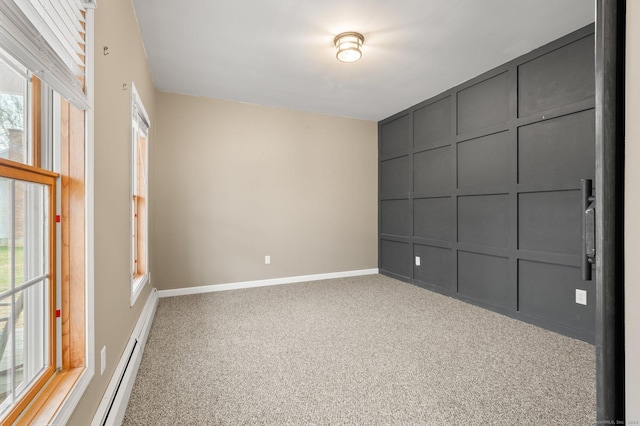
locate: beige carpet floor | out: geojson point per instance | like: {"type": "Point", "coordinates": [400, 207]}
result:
{"type": "Point", "coordinates": [359, 351]}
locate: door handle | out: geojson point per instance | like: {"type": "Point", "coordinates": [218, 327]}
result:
{"type": "Point", "coordinates": [588, 257]}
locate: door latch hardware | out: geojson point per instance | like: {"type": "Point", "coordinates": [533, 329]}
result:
{"type": "Point", "coordinates": [588, 257]}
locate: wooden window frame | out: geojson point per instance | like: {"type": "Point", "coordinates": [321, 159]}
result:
{"type": "Point", "coordinates": [31, 171]}
{"type": "Point", "coordinates": [72, 290]}
{"type": "Point", "coordinates": [41, 403]}
{"type": "Point", "coordinates": [139, 217]}
{"type": "Point", "coordinates": [26, 173]}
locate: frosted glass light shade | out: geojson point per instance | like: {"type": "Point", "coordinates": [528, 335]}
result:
{"type": "Point", "coordinates": [349, 46]}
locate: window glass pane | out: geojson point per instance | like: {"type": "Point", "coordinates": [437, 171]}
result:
{"type": "Point", "coordinates": [6, 357]}
{"type": "Point", "coordinates": [6, 241]}
{"type": "Point", "coordinates": [26, 292]}
{"type": "Point", "coordinates": [30, 335]}
{"type": "Point", "coordinates": [13, 111]}
{"type": "Point", "coordinates": [24, 311]}
{"type": "Point", "coordinates": [30, 231]}
{"type": "Point", "coordinates": [139, 202]}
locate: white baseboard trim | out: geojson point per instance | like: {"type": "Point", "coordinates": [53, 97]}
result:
{"type": "Point", "coordinates": [262, 283]}
{"type": "Point", "coordinates": [116, 397]}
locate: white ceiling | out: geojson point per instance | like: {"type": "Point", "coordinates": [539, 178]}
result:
{"type": "Point", "coordinates": [281, 53]}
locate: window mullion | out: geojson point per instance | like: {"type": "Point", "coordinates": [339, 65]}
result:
{"type": "Point", "coordinates": [12, 237]}
{"type": "Point", "coordinates": [11, 329]}
{"type": "Point", "coordinates": [12, 353]}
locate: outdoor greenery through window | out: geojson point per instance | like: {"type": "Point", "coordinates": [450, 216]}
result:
{"type": "Point", "coordinates": [27, 194]}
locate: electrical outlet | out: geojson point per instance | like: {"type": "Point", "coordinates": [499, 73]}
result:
{"type": "Point", "coordinates": [581, 297]}
{"type": "Point", "coordinates": [267, 260]}
{"type": "Point", "coordinates": [417, 260]}
{"type": "Point", "coordinates": [103, 360]}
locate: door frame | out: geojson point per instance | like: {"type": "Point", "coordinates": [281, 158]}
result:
{"type": "Point", "coordinates": [609, 186]}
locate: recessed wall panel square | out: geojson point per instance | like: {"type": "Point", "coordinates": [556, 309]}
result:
{"type": "Point", "coordinates": [396, 257]}
{"type": "Point", "coordinates": [484, 161]}
{"type": "Point", "coordinates": [484, 220]}
{"type": "Point", "coordinates": [433, 170]}
{"type": "Point", "coordinates": [486, 278]}
{"type": "Point", "coordinates": [550, 222]}
{"type": "Point", "coordinates": [395, 217]}
{"type": "Point", "coordinates": [548, 291]}
{"type": "Point", "coordinates": [396, 136]}
{"type": "Point", "coordinates": [395, 176]}
{"type": "Point", "coordinates": [433, 218]}
{"type": "Point", "coordinates": [560, 150]}
{"type": "Point", "coordinates": [484, 104]}
{"type": "Point", "coordinates": [561, 77]}
{"type": "Point", "coordinates": [432, 125]}
{"type": "Point", "coordinates": [435, 265]}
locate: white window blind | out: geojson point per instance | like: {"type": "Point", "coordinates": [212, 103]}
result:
{"type": "Point", "coordinates": [60, 24]}
{"type": "Point", "coordinates": [47, 36]}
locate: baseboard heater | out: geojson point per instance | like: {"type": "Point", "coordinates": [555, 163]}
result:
{"type": "Point", "coordinates": [114, 402]}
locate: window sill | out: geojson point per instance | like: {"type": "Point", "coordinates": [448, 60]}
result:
{"type": "Point", "coordinates": [137, 284]}
{"type": "Point", "coordinates": [47, 403]}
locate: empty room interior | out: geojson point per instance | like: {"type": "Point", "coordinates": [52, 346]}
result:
{"type": "Point", "coordinates": [359, 212]}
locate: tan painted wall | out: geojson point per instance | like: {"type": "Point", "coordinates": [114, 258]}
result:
{"type": "Point", "coordinates": [632, 214]}
{"type": "Point", "coordinates": [115, 27]}
{"type": "Point", "coordinates": [236, 182]}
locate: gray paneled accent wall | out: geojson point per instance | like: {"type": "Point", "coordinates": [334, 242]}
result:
{"type": "Point", "coordinates": [482, 184]}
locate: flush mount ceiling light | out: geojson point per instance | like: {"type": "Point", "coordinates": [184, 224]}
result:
{"type": "Point", "coordinates": [349, 46]}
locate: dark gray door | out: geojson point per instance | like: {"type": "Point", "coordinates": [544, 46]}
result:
{"type": "Point", "coordinates": [481, 186]}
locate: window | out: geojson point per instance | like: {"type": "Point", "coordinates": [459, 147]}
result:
{"type": "Point", "coordinates": [27, 235]}
{"type": "Point", "coordinates": [139, 195]}
{"type": "Point", "coordinates": [46, 58]}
